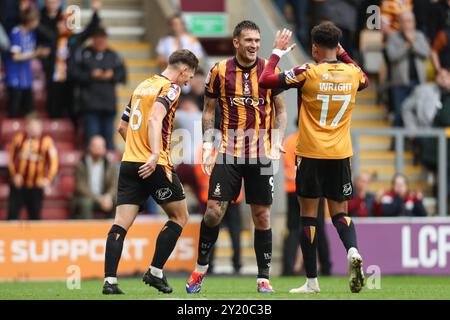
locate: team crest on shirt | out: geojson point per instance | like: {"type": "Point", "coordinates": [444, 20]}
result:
{"type": "Point", "coordinates": [290, 74]}
{"type": "Point", "coordinates": [325, 76]}
{"type": "Point", "coordinates": [172, 94]}
{"type": "Point", "coordinates": [347, 189]}
{"type": "Point", "coordinates": [247, 91]}
{"type": "Point", "coordinates": [163, 194]}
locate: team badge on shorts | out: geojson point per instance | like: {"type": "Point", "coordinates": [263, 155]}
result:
{"type": "Point", "coordinates": [163, 194]}
{"type": "Point", "coordinates": [347, 189]}
{"type": "Point", "coordinates": [217, 191]}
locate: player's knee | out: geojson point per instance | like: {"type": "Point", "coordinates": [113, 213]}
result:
{"type": "Point", "coordinates": [212, 215]}
{"type": "Point", "coordinates": [261, 218]}
{"type": "Point", "coordinates": [182, 218]}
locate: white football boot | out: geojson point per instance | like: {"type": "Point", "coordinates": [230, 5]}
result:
{"type": "Point", "coordinates": [355, 269]}
{"type": "Point", "coordinates": [311, 286]}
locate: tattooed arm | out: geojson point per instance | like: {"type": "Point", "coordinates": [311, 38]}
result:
{"type": "Point", "coordinates": [209, 111]}
{"type": "Point", "coordinates": [280, 127]}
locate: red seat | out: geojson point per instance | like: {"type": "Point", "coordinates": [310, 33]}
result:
{"type": "Point", "coordinates": [60, 130]}
{"type": "Point", "coordinates": [69, 158]}
{"type": "Point", "coordinates": [55, 214]}
{"type": "Point", "coordinates": [9, 128]}
{"type": "Point", "coordinates": [46, 214]}
{"type": "Point", "coordinates": [67, 183]}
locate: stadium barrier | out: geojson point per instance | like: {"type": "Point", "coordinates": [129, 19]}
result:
{"type": "Point", "coordinates": [418, 246]}
{"type": "Point", "coordinates": [56, 250]}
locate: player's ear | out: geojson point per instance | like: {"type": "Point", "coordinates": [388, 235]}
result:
{"type": "Point", "coordinates": [235, 43]}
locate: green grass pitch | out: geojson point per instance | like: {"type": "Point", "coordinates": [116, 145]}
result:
{"type": "Point", "coordinates": [225, 288]}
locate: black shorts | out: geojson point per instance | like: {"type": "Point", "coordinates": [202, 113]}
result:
{"type": "Point", "coordinates": [132, 189]}
{"type": "Point", "coordinates": [226, 180]}
{"type": "Point", "coordinates": [328, 178]}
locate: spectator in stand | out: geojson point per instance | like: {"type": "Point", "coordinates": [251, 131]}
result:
{"type": "Point", "coordinates": [179, 38]}
{"type": "Point", "coordinates": [390, 14]}
{"type": "Point", "coordinates": [18, 72]}
{"type": "Point", "coordinates": [33, 164]}
{"type": "Point", "coordinates": [407, 50]}
{"type": "Point", "coordinates": [55, 33]}
{"type": "Point", "coordinates": [344, 14]}
{"type": "Point", "coordinates": [197, 88]}
{"type": "Point", "coordinates": [422, 10]}
{"type": "Point", "coordinates": [362, 204]}
{"type": "Point", "coordinates": [439, 17]}
{"type": "Point", "coordinates": [10, 11]}
{"type": "Point", "coordinates": [95, 182]}
{"type": "Point", "coordinates": [98, 70]}
{"type": "Point", "coordinates": [300, 9]}
{"type": "Point", "coordinates": [440, 53]}
{"type": "Point", "coordinates": [400, 201]}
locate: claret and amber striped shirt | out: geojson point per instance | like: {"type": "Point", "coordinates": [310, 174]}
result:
{"type": "Point", "coordinates": [33, 158]}
{"type": "Point", "coordinates": [247, 111]}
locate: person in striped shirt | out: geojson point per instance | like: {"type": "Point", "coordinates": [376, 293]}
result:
{"type": "Point", "coordinates": [253, 122]}
{"type": "Point", "coordinates": [33, 164]}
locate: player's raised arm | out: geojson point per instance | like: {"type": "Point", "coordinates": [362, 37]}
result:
{"type": "Point", "coordinates": [269, 79]}
{"type": "Point", "coordinates": [208, 118]}
{"type": "Point", "coordinates": [345, 57]}
{"type": "Point", "coordinates": [155, 121]}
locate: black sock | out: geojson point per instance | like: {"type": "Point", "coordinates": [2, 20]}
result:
{"type": "Point", "coordinates": [263, 252]}
{"type": "Point", "coordinates": [308, 243]}
{"type": "Point", "coordinates": [346, 230]}
{"type": "Point", "coordinates": [208, 237]}
{"type": "Point", "coordinates": [167, 239]}
{"type": "Point", "coordinates": [114, 245]}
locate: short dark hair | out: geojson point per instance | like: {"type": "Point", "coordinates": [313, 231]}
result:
{"type": "Point", "coordinates": [185, 57]}
{"type": "Point", "coordinates": [243, 25]}
{"type": "Point", "coordinates": [99, 32]}
{"type": "Point", "coordinates": [326, 35]}
{"type": "Point", "coordinates": [28, 15]}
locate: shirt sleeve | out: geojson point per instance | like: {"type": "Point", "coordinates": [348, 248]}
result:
{"type": "Point", "coordinates": [52, 158]}
{"type": "Point", "coordinates": [440, 42]}
{"type": "Point", "coordinates": [277, 91]}
{"type": "Point", "coordinates": [294, 78]}
{"type": "Point", "coordinates": [169, 95]}
{"type": "Point", "coordinates": [212, 82]}
{"type": "Point", "coordinates": [127, 112]}
{"type": "Point", "coordinates": [13, 152]}
{"type": "Point", "coordinates": [15, 42]}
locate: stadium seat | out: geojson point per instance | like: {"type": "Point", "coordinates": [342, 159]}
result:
{"type": "Point", "coordinates": [60, 130]}
{"type": "Point", "coordinates": [68, 160]}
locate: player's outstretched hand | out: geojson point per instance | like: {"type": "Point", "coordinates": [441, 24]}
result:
{"type": "Point", "coordinates": [149, 167]}
{"type": "Point", "coordinates": [207, 158]}
{"type": "Point", "coordinates": [281, 45]}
